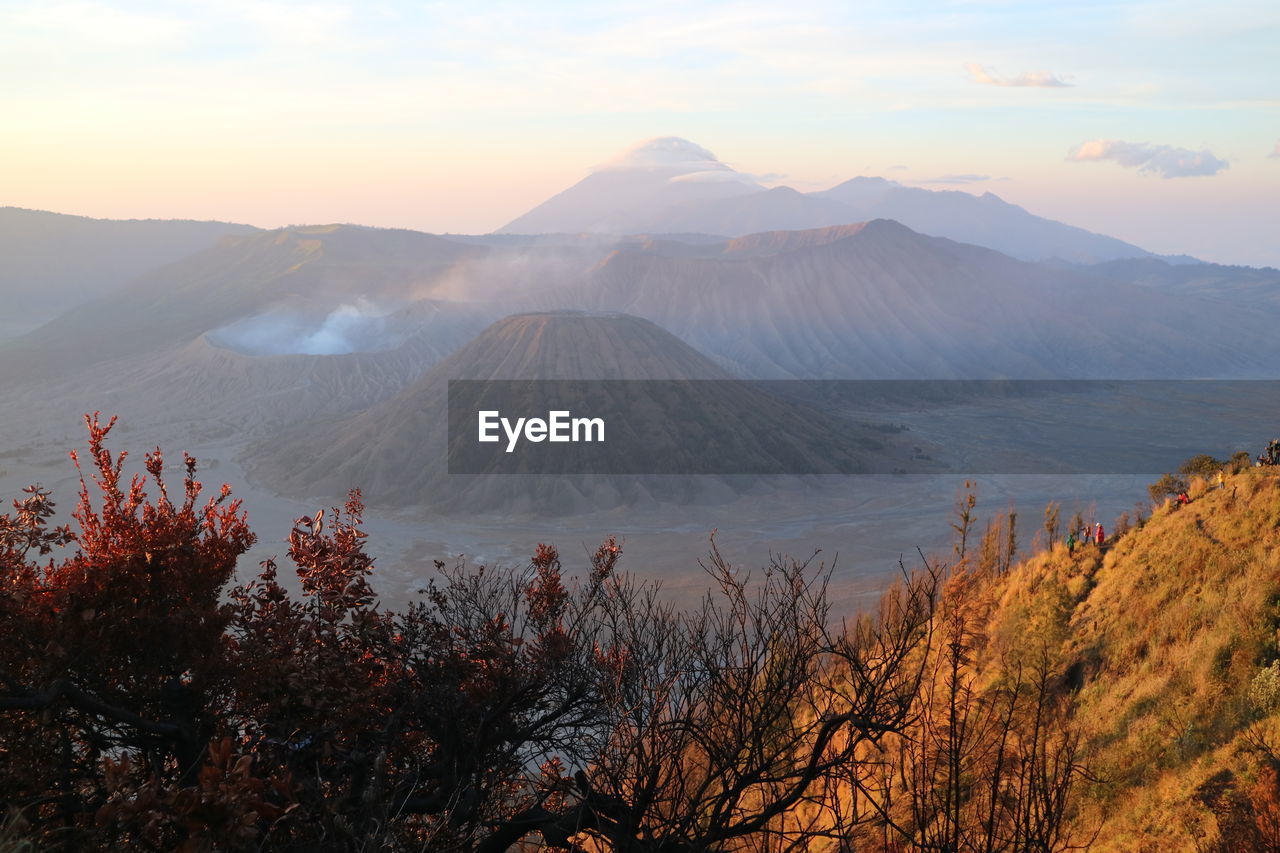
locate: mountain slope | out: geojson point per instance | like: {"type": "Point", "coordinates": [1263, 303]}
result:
{"type": "Point", "coordinates": [777, 209]}
{"type": "Point", "coordinates": [1240, 289]}
{"type": "Point", "coordinates": [53, 262]}
{"type": "Point", "coordinates": [636, 187]}
{"type": "Point", "coordinates": [985, 220]}
{"type": "Point", "coordinates": [870, 300]}
{"type": "Point", "coordinates": [882, 301]}
{"type": "Point", "coordinates": [1166, 641]}
{"type": "Point", "coordinates": [760, 244]}
{"type": "Point", "coordinates": [306, 272]}
{"type": "Point", "coordinates": [397, 451]}
{"type": "Point", "coordinates": [672, 186]}
{"type": "Point", "coordinates": [259, 393]}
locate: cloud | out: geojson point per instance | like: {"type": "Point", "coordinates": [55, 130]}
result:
{"type": "Point", "coordinates": [1034, 79]}
{"type": "Point", "coordinates": [1275, 152]}
{"type": "Point", "coordinates": [1165, 160]}
{"type": "Point", "coordinates": [898, 168]}
{"type": "Point", "coordinates": [683, 161]}
{"type": "Point", "coordinates": [665, 153]}
{"type": "Point", "coordinates": [959, 179]}
{"type": "Point", "coordinates": [85, 25]}
{"type": "Point", "coordinates": [714, 176]}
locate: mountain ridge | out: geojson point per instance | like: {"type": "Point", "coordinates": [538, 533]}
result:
{"type": "Point", "coordinates": [633, 197]}
{"type": "Point", "coordinates": [56, 261]}
{"type": "Point", "coordinates": [397, 450]}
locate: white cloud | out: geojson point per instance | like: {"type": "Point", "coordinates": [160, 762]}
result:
{"type": "Point", "coordinates": [958, 179]}
{"type": "Point", "coordinates": [1165, 160]}
{"type": "Point", "coordinates": [1034, 79]}
{"type": "Point", "coordinates": [666, 153]}
{"type": "Point", "coordinates": [714, 176]}
{"type": "Point", "coordinates": [682, 160]}
{"type": "Point", "coordinates": [84, 25]}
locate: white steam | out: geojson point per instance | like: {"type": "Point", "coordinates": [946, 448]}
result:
{"type": "Point", "coordinates": [357, 326]}
{"type": "Point", "coordinates": [344, 330]}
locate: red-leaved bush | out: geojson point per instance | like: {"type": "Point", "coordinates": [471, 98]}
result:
{"type": "Point", "coordinates": [147, 703]}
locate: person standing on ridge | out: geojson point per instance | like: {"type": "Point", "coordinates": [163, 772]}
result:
{"type": "Point", "coordinates": [1098, 535]}
{"type": "Point", "coordinates": [1071, 543]}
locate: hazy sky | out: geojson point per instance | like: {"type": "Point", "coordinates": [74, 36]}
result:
{"type": "Point", "coordinates": [1155, 122]}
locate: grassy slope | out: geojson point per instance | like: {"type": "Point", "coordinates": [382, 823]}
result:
{"type": "Point", "coordinates": [1162, 636]}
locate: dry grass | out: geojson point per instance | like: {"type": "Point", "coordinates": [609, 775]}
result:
{"type": "Point", "coordinates": [1162, 636]}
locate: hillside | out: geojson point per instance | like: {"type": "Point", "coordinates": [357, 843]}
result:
{"type": "Point", "coordinates": [397, 451]}
{"type": "Point", "coordinates": [883, 301]}
{"type": "Point", "coordinates": [259, 393]}
{"type": "Point", "coordinates": [765, 243]}
{"type": "Point", "coordinates": [638, 186]}
{"type": "Point", "coordinates": [869, 300]}
{"type": "Point", "coordinates": [670, 185]}
{"type": "Point", "coordinates": [1114, 700]}
{"type": "Point", "coordinates": [306, 273]}
{"type": "Point", "coordinates": [1241, 288]}
{"type": "Point", "coordinates": [984, 220]}
{"type": "Point", "coordinates": [779, 208]}
{"type": "Point", "coordinates": [1166, 646]}
{"type": "Point", "coordinates": [53, 262]}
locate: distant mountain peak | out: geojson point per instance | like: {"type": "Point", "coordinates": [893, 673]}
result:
{"type": "Point", "coordinates": [881, 225]}
{"type": "Point", "coordinates": [675, 161]}
{"type": "Point", "coordinates": [637, 187]}
{"type": "Point", "coordinates": [665, 153]}
{"type": "Point", "coordinates": [669, 185]}
{"type": "Point", "coordinates": [868, 180]}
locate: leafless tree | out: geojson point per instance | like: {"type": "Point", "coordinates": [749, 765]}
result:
{"type": "Point", "coordinates": [733, 723]}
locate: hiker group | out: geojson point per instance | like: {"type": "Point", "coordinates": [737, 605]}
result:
{"type": "Point", "coordinates": [1096, 535]}
{"type": "Point", "coordinates": [1272, 454]}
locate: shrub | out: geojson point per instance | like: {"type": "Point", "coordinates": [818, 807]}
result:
{"type": "Point", "coordinates": [1166, 487]}
{"type": "Point", "coordinates": [1264, 691]}
{"type": "Point", "coordinates": [146, 703]}
{"type": "Point", "coordinates": [1123, 524]}
{"type": "Point", "coordinates": [1201, 465]}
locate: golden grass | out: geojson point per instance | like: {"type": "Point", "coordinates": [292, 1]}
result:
{"type": "Point", "coordinates": [1162, 636]}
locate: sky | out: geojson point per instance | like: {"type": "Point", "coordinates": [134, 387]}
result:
{"type": "Point", "coordinates": [1154, 122]}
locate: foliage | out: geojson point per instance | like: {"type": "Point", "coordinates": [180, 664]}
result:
{"type": "Point", "coordinates": [1119, 701]}
{"type": "Point", "coordinates": [119, 649]}
{"type": "Point", "coordinates": [1201, 465]}
{"type": "Point", "coordinates": [1051, 514]}
{"type": "Point", "coordinates": [966, 500]}
{"type": "Point", "coordinates": [1264, 690]}
{"type": "Point", "coordinates": [146, 704]}
{"type": "Point", "coordinates": [1166, 642]}
{"type": "Point", "coordinates": [1168, 486]}
{"type": "Point", "coordinates": [1247, 817]}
